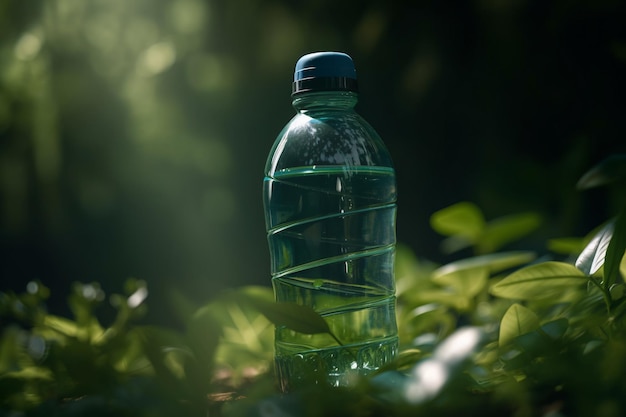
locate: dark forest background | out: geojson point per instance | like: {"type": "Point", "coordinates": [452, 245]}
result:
{"type": "Point", "coordinates": [133, 134]}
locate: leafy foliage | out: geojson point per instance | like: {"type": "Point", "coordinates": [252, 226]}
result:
{"type": "Point", "coordinates": [51, 365]}
{"type": "Point", "coordinates": [500, 333]}
{"type": "Point", "coordinates": [465, 225]}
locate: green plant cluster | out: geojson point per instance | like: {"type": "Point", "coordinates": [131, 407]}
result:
{"type": "Point", "coordinates": [504, 333]}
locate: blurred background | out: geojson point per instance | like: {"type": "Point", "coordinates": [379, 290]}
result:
{"type": "Point", "coordinates": [133, 134]}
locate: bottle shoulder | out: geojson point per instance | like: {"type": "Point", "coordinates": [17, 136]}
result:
{"type": "Point", "coordinates": [327, 138]}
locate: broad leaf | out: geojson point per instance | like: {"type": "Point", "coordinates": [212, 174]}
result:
{"type": "Point", "coordinates": [517, 320]}
{"type": "Point", "coordinates": [64, 326]}
{"type": "Point", "coordinates": [592, 257]}
{"type": "Point", "coordinates": [203, 333]}
{"type": "Point", "coordinates": [615, 251]}
{"type": "Point", "coordinates": [463, 219]}
{"type": "Point", "coordinates": [156, 342]}
{"type": "Point", "coordinates": [466, 282]}
{"type": "Point", "coordinates": [495, 262]}
{"type": "Point", "coordinates": [302, 319]}
{"type": "Point", "coordinates": [609, 170]}
{"type": "Point", "coordinates": [540, 281]}
{"type": "Point", "coordinates": [411, 273]}
{"type": "Point", "coordinates": [456, 243]}
{"type": "Point", "coordinates": [442, 296]}
{"type": "Point", "coordinates": [426, 319]}
{"type": "Point", "coordinates": [507, 229]}
{"type": "Point", "coordinates": [29, 373]}
{"type": "Point", "coordinates": [566, 245]}
{"type": "Point", "coordinates": [247, 335]}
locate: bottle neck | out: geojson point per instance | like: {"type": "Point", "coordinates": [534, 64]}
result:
{"type": "Point", "coordinates": [325, 100]}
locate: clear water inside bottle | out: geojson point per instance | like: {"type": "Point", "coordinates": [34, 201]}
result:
{"type": "Point", "coordinates": [331, 232]}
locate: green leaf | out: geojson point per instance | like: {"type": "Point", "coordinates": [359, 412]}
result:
{"type": "Point", "coordinates": [247, 336]}
{"type": "Point", "coordinates": [156, 342]}
{"type": "Point", "coordinates": [463, 219]}
{"type": "Point", "coordinates": [609, 170]}
{"type": "Point", "coordinates": [495, 262]}
{"type": "Point", "coordinates": [540, 281]}
{"type": "Point", "coordinates": [412, 274]}
{"type": "Point", "coordinates": [61, 325]}
{"type": "Point", "coordinates": [202, 337]}
{"type": "Point", "coordinates": [297, 317]}
{"type": "Point", "coordinates": [443, 296]}
{"type": "Point", "coordinates": [11, 349]}
{"type": "Point", "coordinates": [507, 229]}
{"type": "Point", "coordinates": [615, 251]}
{"type": "Point", "coordinates": [30, 373]}
{"type": "Point", "coordinates": [566, 245]}
{"type": "Point", "coordinates": [465, 225]}
{"type": "Point", "coordinates": [456, 243]}
{"type": "Point", "coordinates": [517, 320]}
{"type": "Point", "coordinates": [203, 333]}
{"type": "Point", "coordinates": [435, 317]}
{"type": "Point", "coordinates": [466, 282]}
{"type": "Point", "coordinates": [592, 257]}
{"type": "Point", "coordinates": [300, 318]}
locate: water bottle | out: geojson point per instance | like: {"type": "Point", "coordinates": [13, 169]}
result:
{"type": "Point", "coordinates": [330, 208]}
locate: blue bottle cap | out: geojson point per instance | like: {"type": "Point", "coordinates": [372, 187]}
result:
{"type": "Point", "coordinates": [324, 71]}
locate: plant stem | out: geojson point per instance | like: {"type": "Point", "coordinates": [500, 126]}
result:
{"type": "Point", "coordinates": [606, 295]}
{"type": "Point", "coordinates": [336, 338]}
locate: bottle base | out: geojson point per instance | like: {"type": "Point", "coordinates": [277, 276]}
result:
{"type": "Point", "coordinates": [336, 366]}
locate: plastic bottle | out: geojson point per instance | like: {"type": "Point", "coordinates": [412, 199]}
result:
{"type": "Point", "coordinates": [330, 210]}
